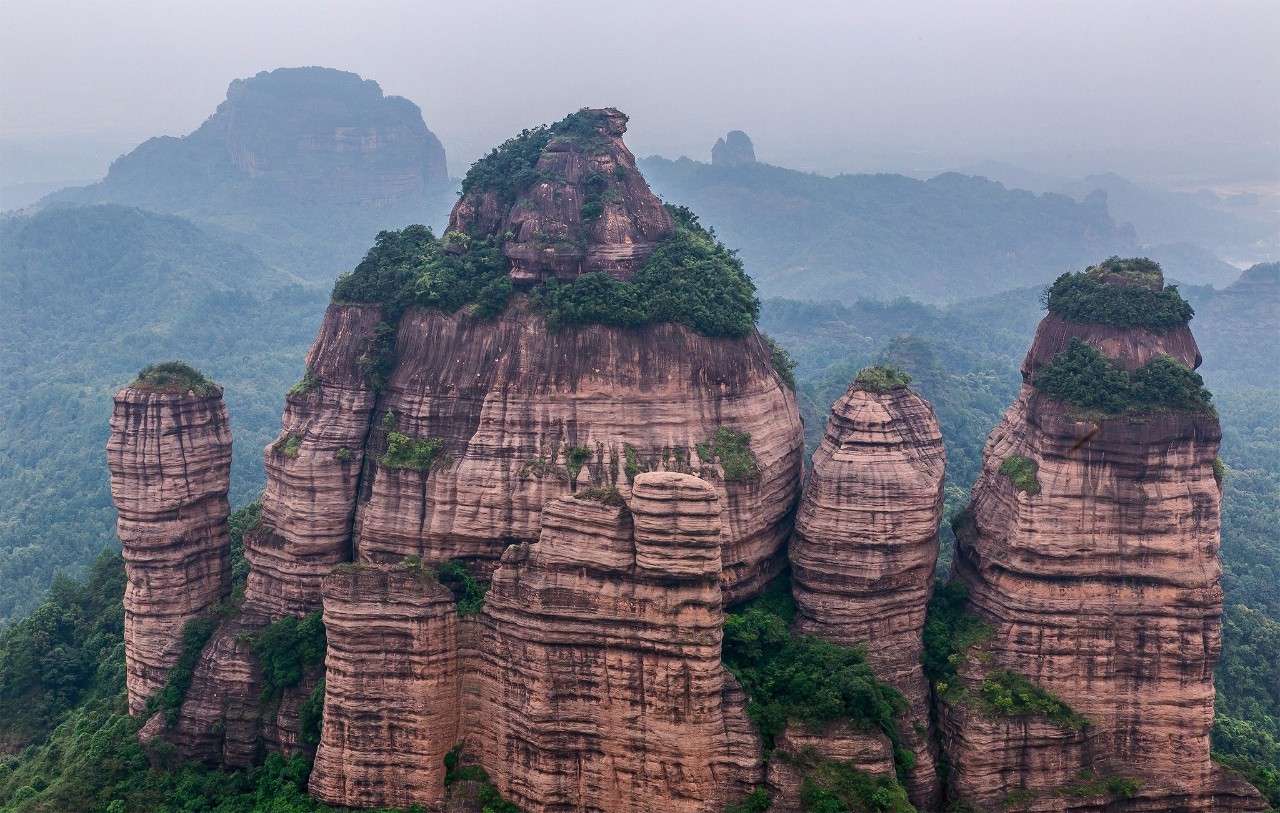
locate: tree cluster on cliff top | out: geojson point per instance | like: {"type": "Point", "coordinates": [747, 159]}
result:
{"type": "Point", "coordinates": [1087, 298]}
{"type": "Point", "coordinates": [690, 279]}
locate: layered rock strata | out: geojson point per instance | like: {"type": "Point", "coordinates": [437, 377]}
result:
{"type": "Point", "coordinates": [601, 683]}
{"type": "Point", "coordinates": [313, 469]}
{"type": "Point", "coordinates": [866, 545]}
{"type": "Point", "coordinates": [386, 730]}
{"type": "Point", "coordinates": [170, 459]}
{"type": "Point", "coordinates": [1102, 585]}
{"type": "Point", "coordinates": [225, 719]}
{"type": "Point", "coordinates": [868, 752]}
{"type": "Point", "coordinates": [525, 415]}
{"type": "Point", "coordinates": [550, 236]}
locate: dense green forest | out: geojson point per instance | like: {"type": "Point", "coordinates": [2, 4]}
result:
{"type": "Point", "coordinates": [92, 295]}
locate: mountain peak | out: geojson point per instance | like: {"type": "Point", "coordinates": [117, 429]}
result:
{"type": "Point", "coordinates": [568, 200]}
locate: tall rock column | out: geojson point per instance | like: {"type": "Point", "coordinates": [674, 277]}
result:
{"type": "Point", "coordinates": [170, 459]}
{"type": "Point", "coordinates": [313, 468]}
{"type": "Point", "coordinates": [601, 686]}
{"type": "Point", "coordinates": [391, 688]}
{"type": "Point", "coordinates": [1090, 552]}
{"type": "Point", "coordinates": [866, 545]}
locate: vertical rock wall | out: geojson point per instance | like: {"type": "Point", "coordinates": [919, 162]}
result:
{"type": "Point", "coordinates": [313, 469]}
{"type": "Point", "coordinates": [601, 687]}
{"type": "Point", "coordinates": [511, 400]}
{"type": "Point", "coordinates": [866, 545]}
{"type": "Point", "coordinates": [387, 729]}
{"type": "Point", "coordinates": [170, 459]}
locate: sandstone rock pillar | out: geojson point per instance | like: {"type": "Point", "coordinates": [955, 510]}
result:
{"type": "Point", "coordinates": [170, 459]}
{"type": "Point", "coordinates": [391, 688]}
{"type": "Point", "coordinates": [1094, 560]}
{"type": "Point", "coordinates": [866, 545]}
{"type": "Point", "coordinates": [602, 684]}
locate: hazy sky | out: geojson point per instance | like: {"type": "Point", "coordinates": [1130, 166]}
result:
{"type": "Point", "coordinates": [831, 85]}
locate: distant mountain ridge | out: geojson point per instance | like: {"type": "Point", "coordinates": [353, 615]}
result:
{"type": "Point", "coordinates": [303, 164]}
{"type": "Point", "coordinates": [885, 236]}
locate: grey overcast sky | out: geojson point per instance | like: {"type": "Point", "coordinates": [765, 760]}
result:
{"type": "Point", "coordinates": [819, 85]}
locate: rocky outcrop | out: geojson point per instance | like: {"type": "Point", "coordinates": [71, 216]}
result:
{"type": "Point", "coordinates": [1100, 579]}
{"type": "Point", "coordinates": [313, 469]}
{"type": "Point", "coordinates": [590, 210]}
{"type": "Point", "coordinates": [225, 719]}
{"type": "Point", "coordinates": [866, 544]}
{"type": "Point", "coordinates": [1133, 347]}
{"type": "Point", "coordinates": [170, 459]}
{"type": "Point", "coordinates": [795, 746]}
{"type": "Point", "coordinates": [601, 683]}
{"type": "Point", "coordinates": [387, 729]}
{"type": "Point", "coordinates": [733, 150]}
{"type": "Point", "coordinates": [526, 415]}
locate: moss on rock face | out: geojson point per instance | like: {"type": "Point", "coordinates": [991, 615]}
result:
{"type": "Point", "coordinates": [1022, 471]}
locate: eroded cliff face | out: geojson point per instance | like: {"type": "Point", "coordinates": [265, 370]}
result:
{"type": "Point", "coordinates": [600, 686]}
{"type": "Point", "coordinates": [590, 210]}
{"type": "Point", "coordinates": [526, 415]}
{"type": "Point", "coordinates": [865, 548]}
{"type": "Point", "coordinates": [1101, 584]}
{"type": "Point", "coordinates": [387, 729]}
{"type": "Point", "coordinates": [170, 459]}
{"type": "Point", "coordinates": [313, 469]}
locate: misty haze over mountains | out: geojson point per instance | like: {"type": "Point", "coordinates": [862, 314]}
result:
{"type": "Point", "coordinates": [901, 184]}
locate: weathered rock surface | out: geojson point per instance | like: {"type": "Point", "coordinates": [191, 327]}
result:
{"type": "Point", "coordinates": [733, 150]}
{"type": "Point", "coordinates": [1104, 588]}
{"type": "Point", "coordinates": [1133, 346]}
{"type": "Point", "coordinates": [313, 470]}
{"type": "Point", "coordinates": [224, 719]}
{"type": "Point", "coordinates": [866, 544]}
{"type": "Point", "coordinates": [601, 682]}
{"type": "Point", "coordinates": [550, 235]}
{"type": "Point", "coordinates": [170, 459]}
{"type": "Point", "coordinates": [865, 751]}
{"type": "Point", "coordinates": [387, 729]}
{"type": "Point", "coordinates": [511, 401]}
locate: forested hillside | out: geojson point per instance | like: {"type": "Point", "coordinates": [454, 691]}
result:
{"type": "Point", "coordinates": [92, 295]}
{"type": "Point", "coordinates": [884, 236]}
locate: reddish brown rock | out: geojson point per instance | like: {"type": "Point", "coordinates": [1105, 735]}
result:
{"type": "Point", "coordinates": [549, 235]}
{"type": "Point", "coordinates": [601, 686]}
{"type": "Point", "coordinates": [391, 689]}
{"type": "Point", "coordinates": [1133, 347]}
{"type": "Point", "coordinates": [1103, 588]}
{"type": "Point", "coordinates": [868, 752]}
{"type": "Point", "coordinates": [510, 401]}
{"type": "Point", "coordinates": [224, 719]}
{"type": "Point", "coordinates": [866, 544]}
{"type": "Point", "coordinates": [170, 459]}
{"type": "Point", "coordinates": [313, 469]}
